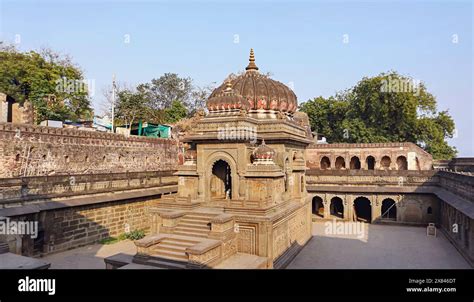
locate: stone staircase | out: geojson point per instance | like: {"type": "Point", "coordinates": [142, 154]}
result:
{"type": "Point", "coordinates": [171, 252]}
{"type": "Point", "coordinates": [194, 225]}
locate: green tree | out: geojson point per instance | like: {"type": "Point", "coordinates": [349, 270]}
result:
{"type": "Point", "coordinates": [131, 107]}
{"type": "Point", "coordinates": [51, 82]}
{"type": "Point", "coordinates": [386, 108]}
{"type": "Point", "coordinates": [175, 112]}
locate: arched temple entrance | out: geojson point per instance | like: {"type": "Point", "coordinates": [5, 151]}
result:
{"type": "Point", "coordinates": [325, 163]}
{"type": "Point", "coordinates": [389, 209]}
{"type": "Point", "coordinates": [362, 209]}
{"type": "Point", "coordinates": [318, 206]}
{"type": "Point", "coordinates": [221, 180]}
{"type": "Point", "coordinates": [385, 163]}
{"type": "Point", "coordinates": [355, 163]}
{"type": "Point", "coordinates": [370, 160]}
{"type": "Point", "coordinates": [340, 163]}
{"type": "Point", "coordinates": [402, 163]}
{"type": "Point", "coordinates": [336, 207]}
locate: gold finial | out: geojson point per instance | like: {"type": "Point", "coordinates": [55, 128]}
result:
{"type": "Point", "coordinates": [251, 65]}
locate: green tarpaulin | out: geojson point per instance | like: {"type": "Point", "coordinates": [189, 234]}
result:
{"type": "Point", "coordinates": [157, 131]}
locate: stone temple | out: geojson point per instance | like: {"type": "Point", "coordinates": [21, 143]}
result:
{"type": "Point", "coordinates": [240, 190]}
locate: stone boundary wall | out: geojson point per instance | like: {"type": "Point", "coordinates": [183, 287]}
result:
{"type": "Point", "coordinates": [459, 164]}
{"type": "Point", "coordinates": [73, 227]}
{"type": "Point", "coordinates": [27, 150]}
{"type": "Point", "coordinates": [76, 210]}
{"type": "Point", "coordinates": [459, 184]}
{"type": "Point", "coordinates": [25, 190]}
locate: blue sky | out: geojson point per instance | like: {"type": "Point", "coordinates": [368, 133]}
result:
{"type": "Point", "coordinates": [298, 42]}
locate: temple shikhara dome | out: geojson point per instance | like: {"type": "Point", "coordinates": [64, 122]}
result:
{"type": "Point", "coordinates": [254, 92]}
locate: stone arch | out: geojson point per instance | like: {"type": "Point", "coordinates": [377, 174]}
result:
{"type": "Point", "coordinates": [221, 180]}
{"type": "Point", "coordinates": [362, 209]}
{"type": "Point", "coordinates": [325, 163]}
{"type": "Point", "coordinates": [226, 157]}
{"type": "Point", "coordinates": [317, 206]}
{"type": "Point", "coordinates": [355, 163]}
{"type": "Point", "coordinates": [336, 207]}
{"type": "Point", "coordinates": [370, 161]}
{"type": "Point", "coordinates": [389, 209]}
{"type": "Point", "coordinates": [402, 163]}
{"type": "Point", "coordinates": [385, 162]}
{"type": "Point", "coordinates": [340, 163]}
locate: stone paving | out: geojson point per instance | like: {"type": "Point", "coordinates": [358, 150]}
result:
{"type": "Point", "coordinates": [89, 257]}
{"type": "Point", "coordinates": [380, 247]}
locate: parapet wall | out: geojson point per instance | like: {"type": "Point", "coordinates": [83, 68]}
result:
{"type": "Point", "coordinates": [27, 150]}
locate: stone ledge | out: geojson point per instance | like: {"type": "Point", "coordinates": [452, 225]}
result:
{"type": "Point", "coordinates": [118, 260]}
{"type": "Point", "coordinates": [202, 247]}
{"type": "Point", "coordinates": [150, 240]}
{"type": "Point", "coordinates": [222, 218]}
{"type": "Point", "coordinates": [172, 215]}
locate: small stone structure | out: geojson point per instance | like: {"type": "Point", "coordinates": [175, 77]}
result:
{"type": "Point", "coordinates": [13, 112]}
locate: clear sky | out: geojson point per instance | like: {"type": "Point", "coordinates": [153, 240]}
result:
{"type": "Point", "coordinates": [299, 42]}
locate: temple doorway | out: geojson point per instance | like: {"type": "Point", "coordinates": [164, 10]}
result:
{"type": "Point", "coordinates": [337, 207]}
{"type": "Point", "coordinates": [221, 180]}
{"type": "Point", "coordinates": [318, 206]}
{"type": "Point", "coordinates": [389, 209]}
{"type": "Point", "coordinates": [362, 210]}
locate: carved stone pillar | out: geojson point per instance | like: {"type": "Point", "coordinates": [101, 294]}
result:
{"type": "Point", "coordinates": [376, 207]}
{"type": "Point", "coordinates": [327, 203]}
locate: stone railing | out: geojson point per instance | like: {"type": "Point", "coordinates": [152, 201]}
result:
{"type": "Point", "coordinates": [461, 184]}
{"type": "Point", "coordinates": [21, 190]}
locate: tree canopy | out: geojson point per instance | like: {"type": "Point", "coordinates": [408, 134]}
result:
{"type": "Point", "coordinates": [386, 108]}
{"type": "Point", "coordinates": [165, 100]}
{"type": "Point", "coordinates": [51, 82]}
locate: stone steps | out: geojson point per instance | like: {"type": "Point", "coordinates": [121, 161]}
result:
{"type": "Point", "coordinates": [170, 247]}
{"type": "Point", "coordinates": [194, 225]}
{"type": "Point", "coordinates": [192, 234]}
{"type": "Point", "coordinates": [171, 255]}
{"type": "Point", "coordinates": [180, 228]}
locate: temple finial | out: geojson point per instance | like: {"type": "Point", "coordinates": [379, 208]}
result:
{"type": "Point", "coordinates": [251, 65]}
{"type": "Point", "coordinates": [228, 86]}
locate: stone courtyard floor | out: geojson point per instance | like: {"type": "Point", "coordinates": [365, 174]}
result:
{"type": "Point", "coordinates": [90, 256]}
{"type": "Point", "coordinates": [381, 246]}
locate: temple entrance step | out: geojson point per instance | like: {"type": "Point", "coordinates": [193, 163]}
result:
{"type": "Point", "coordinates": [188, 224]}
{"type": "Point", "coordinates": [196, 218]}
{"type": "Point", "coordinates": [191, 234]}
{"type": "Point", "coordinates": [180, 228]}
{"type": "Point", "coordinates": [181, 239]}
{"type": "Point", "coordinates": [170, 255]}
